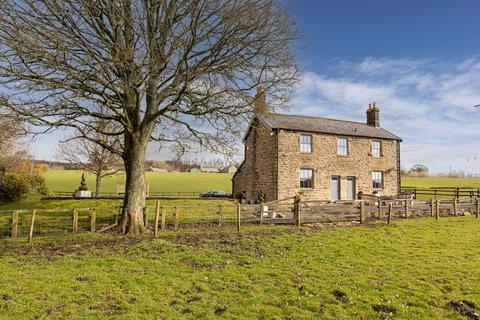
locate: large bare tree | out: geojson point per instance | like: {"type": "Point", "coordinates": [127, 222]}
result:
{"type": "Point", "coordinates": [181, 72]}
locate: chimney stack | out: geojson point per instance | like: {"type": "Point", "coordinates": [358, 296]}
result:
{"type": "Point", "coordinates": [373, 115]}
{"type": "Point", "coordinates": [260, 102]}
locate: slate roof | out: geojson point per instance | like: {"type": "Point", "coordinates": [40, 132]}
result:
{"type": "Point", "coordinates": [325, 125]}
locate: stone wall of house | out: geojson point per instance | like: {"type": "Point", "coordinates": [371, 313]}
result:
{"type": "Point", "coordinates": [259, 170]}
{"type": "Point", "coordinates": [325, 162]}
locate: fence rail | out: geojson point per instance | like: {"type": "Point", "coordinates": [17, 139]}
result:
{"type": "Point", "coordinates": [29, 223]}
{"type": "Point", "coordinates": [443, 192]}
{"type": "Point", "coordinates": [115, 195]}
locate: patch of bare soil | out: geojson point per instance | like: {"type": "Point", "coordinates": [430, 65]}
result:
{"type": "Point", "coordinates": [200, 265]}
{"type": "Point", "coordinates": [222, 238]}
{"type": "Point", "coordinates": [66, 248]}
{"type": "Point", "coordinates": [226, 241]}
{"type": "Point", "coordinates": [465, 308]}
{"type": "Point", "coordinates": [381, 308]}
{"type": "Point", "coordinates": [340, 295]}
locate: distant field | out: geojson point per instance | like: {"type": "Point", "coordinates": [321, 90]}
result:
{"type": "Point", "coordinates": [440, 182]}
{"type": "Point", "coordinates": [175, 181]}
{"type": "Point", "coordinates": [69, 180]}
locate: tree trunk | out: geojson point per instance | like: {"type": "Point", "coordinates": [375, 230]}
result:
{"type": "Point", "coordinates": [98, 183]}
{"type": "Point", "coordinates": [134, 159]}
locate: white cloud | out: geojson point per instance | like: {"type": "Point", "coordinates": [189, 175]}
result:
{"type": "Point", "coordinates": [428, 103]}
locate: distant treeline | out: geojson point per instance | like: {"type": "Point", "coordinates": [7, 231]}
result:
{"type": "Point", "coordinates": [168, 165]}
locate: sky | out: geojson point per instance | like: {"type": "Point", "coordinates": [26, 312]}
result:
{"type": "Point", "coordinates": [418, 60]}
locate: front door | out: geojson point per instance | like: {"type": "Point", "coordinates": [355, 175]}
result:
{"type": "Point", "coordinates": [350, 186]}
{"type": "Point", "coordinates": [335, 188]}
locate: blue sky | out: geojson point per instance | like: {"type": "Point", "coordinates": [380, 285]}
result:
{"type": "Point", "coordinates": [419, 60]}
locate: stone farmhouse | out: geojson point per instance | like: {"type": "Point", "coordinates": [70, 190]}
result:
{"type": "Point", "coordinates": [317, 158]}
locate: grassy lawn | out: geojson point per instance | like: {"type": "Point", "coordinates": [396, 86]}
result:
{"type": "Point", "coordinates": [410, 269]}
{"type": "Point", "coordinates": [174, 181]}
{"type": "Point", "coordinates": [69, 180]}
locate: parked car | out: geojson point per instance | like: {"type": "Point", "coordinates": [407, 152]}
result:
{"type": "Point", "coordinates": [216, 193]}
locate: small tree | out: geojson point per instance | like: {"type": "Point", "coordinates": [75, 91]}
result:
{"type": "Point", "coordinates": [419, 170]}
{"type": "Point", "coordinates": [93, 158]}
{"type": "Point", "coordinates": [11, 130]}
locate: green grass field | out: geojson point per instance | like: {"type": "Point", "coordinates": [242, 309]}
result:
{"type": "Point", "coordinates": [174, 181]}
{"type": "Point", "coordinates": [409, 270]}
{"type": "Point", "coordinates": [69, 180]}
{"type": "Point", "coordinates": [440, 182]}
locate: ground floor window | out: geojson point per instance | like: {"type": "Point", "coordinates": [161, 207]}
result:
{"type": "Point", "coordinates": [377, 178]}
{"type": "Point", "coordinates": [306, 178]}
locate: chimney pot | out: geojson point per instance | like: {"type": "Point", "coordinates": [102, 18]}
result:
{"type": "Point", "coordinates": [373, 115]}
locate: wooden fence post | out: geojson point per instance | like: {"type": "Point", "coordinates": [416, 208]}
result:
{"type": "Point", "coordinates": [406, 209]}
{"type": "Point", "coordinates": [362, 211]}
{"type": "Point", "coordinates": [164, 216]}
{"type": "Point", "coordinates": [390, 206]}
{"type": "Point", "coordinates": [176, 218]}
{"type": "Point", "coordinates": [431, 208]}
{"type": "Point", "coordinates": [477, 208]}
{"type": "Point", "coordinates": [32, 224]}
{"type": "Point", "coordinates": [157, 212]}
{"type": "Point", "coordinates": [437, 210]}
{"type": "Point", "coordinates": [379, 209]}
{"type": "Point", "coordinates": [262, 213]}
{"type": "Point", "coordinates": [455, 206]}
{"type": "Point", "coordinates": [238, 216]}
{"type": "Point", "coordinates": [14, 224]}
{"type": "Point", "coordinates": [297, 211]}
{"type": "Point", "coordinates": [117, 216]}
{"type": "Point", "coordinates": [145, 213]}
{"type": "Point", "coordinates": [220, 215]}
{"type": "Point", "coordinates": [75, 221]}
{"type": "Point", "coordinates": [93, 220]}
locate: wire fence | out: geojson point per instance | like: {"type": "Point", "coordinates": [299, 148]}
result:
{"type": "Point", "coordinates": [22, 223]}
{"type": "Point", "coordinates": [40, 222]}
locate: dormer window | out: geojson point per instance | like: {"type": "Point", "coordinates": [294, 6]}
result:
{"type": "Point", "coordinates": [306, 143]}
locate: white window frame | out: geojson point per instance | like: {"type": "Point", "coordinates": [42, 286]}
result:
{"type": "Point", "coordinates": [376, 152]}
{"type": "Point", "coordinates": [342, 149]}
{"type": "Point", "coordinates": [309, 174]}
{"type": "Point", "coordinates": [375, 178]}
{"type": "Point", "coordinates": [306, 147]}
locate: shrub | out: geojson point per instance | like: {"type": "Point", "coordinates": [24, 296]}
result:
{"type": "Point", "coordinates": [14, 185]}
